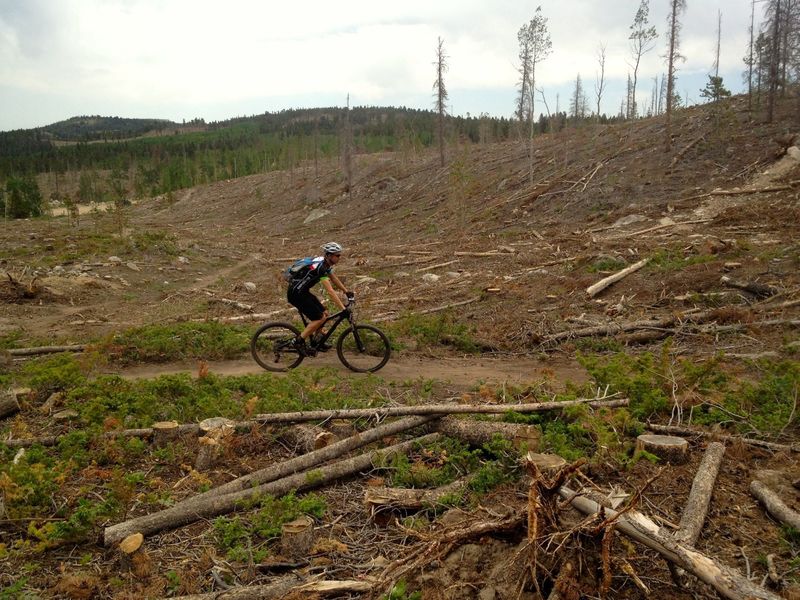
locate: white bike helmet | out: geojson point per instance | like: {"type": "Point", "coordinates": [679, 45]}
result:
{"type": "Point", "coordinates": [332, 248]}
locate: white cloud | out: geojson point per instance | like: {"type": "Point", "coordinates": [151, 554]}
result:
{"type": "Point", "coordinates": [181, 58]}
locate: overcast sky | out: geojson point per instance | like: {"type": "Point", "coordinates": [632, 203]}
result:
{"type": "Point", "coordinates": [181, 59]}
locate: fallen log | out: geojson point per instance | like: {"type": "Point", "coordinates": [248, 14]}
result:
{"type": "Point", "coordinates": [312, 459]}
{"type": "Point", "coordinates": [432, 409]}
{"type": "Point", "coordinates": [728, 582]}
{"type": "Point", "coordinates": [694, 513]}
{"type": "Point", "coordinates": [598, 287]}
{"type": "Point", "coordinates": [759, 290]}
{"type": "Point", "coordinates": [478, 433]}
{"type": "Point", "coordinates": [673, 430]}
{"type": "Point", "coordinates": [388, 498]}
{"type": "Point", "coordinates": [283, 587]}
{"type": "Point", "coordinates": [46, 350]}
{"type": "Point", "coordinates": [774, 505]}
{"type": "Point", "coordinates": [192, 510]}
{"type": "Point", "coordinates": [428, 311]}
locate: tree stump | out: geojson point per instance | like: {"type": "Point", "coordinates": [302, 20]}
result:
{"type": "Point", "coordinates": [165, 432]}
{"type": "Point", "coordinates": [8, 404]}
{"type": "Point", "coordinates": [216, 430]}
{"type": "Point", "coordinates": [297, 537]}
{"type": "Point", "coordinates": [548, 464]}
{"type": "Point", "coordinates": [219, 426]}
{"type": "Point", "coordinates": [673, 450]}
{"type": "Point", "coordinates": [133, 557]}
{"type": "Point", "coordinates": [208, 453]}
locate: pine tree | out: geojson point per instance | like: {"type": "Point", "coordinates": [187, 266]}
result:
{"type": "Point", "coordinates": [440, 101]}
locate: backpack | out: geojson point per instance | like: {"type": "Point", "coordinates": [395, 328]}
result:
{"type": "Point", "coordinates": [297, 270]}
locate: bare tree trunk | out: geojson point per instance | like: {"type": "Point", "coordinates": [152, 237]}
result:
{"type": "Point", "coordinates": [773, 63]}
{"type": "Point", "coordinates": [673, 40]}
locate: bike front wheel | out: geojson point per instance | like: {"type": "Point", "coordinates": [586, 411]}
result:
{"type": "Point", "coordinates": [363, 348]}
{"type": "Point", "coordinates": [272, 347]}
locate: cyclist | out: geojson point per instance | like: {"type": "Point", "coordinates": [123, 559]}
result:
{"type": "Point", "coordinates": [299, 293]}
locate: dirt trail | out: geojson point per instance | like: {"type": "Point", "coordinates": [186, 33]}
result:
{"type": "Point", "coordinates": [461, 372]}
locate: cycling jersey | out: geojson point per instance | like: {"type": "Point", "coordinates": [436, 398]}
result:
{"type": "Point", "coordinates": [317, 271]}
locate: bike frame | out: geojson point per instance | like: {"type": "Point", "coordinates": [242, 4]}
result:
{"type": "Point", "coordinates": [342, 315]}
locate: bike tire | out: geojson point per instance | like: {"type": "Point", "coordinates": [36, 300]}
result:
{"type": "Point", "coordinates": [360, 346]}
{"type": "Point", "coordinates": [271, 347]}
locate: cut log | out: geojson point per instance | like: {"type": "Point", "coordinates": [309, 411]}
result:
{"type": "Point", "coordinates": [8, 404]}
{"type": "Point", "coordinates": [728, 582]}
{"type": "Point", "coordinates": [324, 439]}
{"type": "Point", "coordinates": [694, 513]}
{"type": "Point", "coordinates": [284, 587]}
{"type": "Point", "coordinates": [297, 537]}
{"type": "Point", "coordinates": [190, 511]}
{"type": "Point", "coordinates": [432, 409]}
{"type": "Point", "coordinates": [165, 432]}
{"type": "Point", "coordinates": [478, 433]}
{"type": "Point", "coordinates": [673, 430]}
{"type": "Point", "coordinates": [759, 290]}
{"type": "Point", "coordinates": [46, 350]}
{"type": "Point", "coordinates": [382, 498]}
{"type": "Point", "coordinates": [673, 450]}
{"type": "Point", "coordinates": [774, 505]}
{"type": "Point", "coordinates": [598, 287]}
{"type": "Point", "coordinates": [312, 459]}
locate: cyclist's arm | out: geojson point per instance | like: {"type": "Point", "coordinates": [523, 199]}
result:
{"type": "Point", "coordinates": [338, 282]}
{"type": "Point", "coordinates": [331, 293]}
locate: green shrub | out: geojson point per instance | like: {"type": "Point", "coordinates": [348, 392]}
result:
{"type": "Point", "coordinates": [179, 341]}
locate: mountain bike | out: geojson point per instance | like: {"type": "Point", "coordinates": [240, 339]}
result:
{"type": "Point", "coordinates": [361, 348]}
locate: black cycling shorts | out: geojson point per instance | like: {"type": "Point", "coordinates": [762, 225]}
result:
{"type": "Point", "coordinates": [307, 303]}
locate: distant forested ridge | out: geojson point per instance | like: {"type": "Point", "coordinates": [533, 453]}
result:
{"type": "Point", "coordinates": [158, 156]}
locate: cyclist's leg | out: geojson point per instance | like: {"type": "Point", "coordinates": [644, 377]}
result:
{"type": "Point", "coordinates": [312, 308]}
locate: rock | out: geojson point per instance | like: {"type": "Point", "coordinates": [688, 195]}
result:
{"type": "Point", "coordinates": [666, 221]}
{"type": "Point", "coordinates": [249, 286]}
{"type": "Point", "coordinates": [132, 266]}
{"type": "Point", "coordinates": [629, 220]}
{"type": "Point", "coordinates": [430, 278]}
{"type": "Point", "coordinates": [114, 260]}
{"type": "Point", "coordinates": [315, 214]}
{"type": "Point", "coordinates": [794, 152]}
{"type": "Point", "coordinates": [401, 274]}
{"type": "Point", "coordinates": [58, 270]}
{"type": "Point", "coordinates": [183, 260]}
{"type": "Point", "coordinates": [453, 274]}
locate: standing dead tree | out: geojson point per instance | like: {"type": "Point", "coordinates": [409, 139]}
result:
{"type": "Point", "coordinates": [440, 95]}
{"type": "Point", "coordinates": [600, 82]}
{"type": "Point", "coordinates": [642, 40]}
{"type": "Point", "coordinates": [535, 45]}
{"type": "Point", "coordinates": [673, 55]}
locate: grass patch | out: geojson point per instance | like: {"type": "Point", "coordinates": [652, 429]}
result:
{"type": "Point", "coordinates": [178, 341]}
{"type": "Point", "coordinates": [763, 401]}
{"type": "Point", "coordinates": [674, 259]}
{"type": "Point", "coordinates": [246, 539]}
{"type": "Point", "coordinates": [428, 331]}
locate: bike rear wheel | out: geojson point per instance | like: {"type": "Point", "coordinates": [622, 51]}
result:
{"type": "Point", "coordinates": [363, 348]}
{"type": "Point", "coordinates": [272, 347]}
